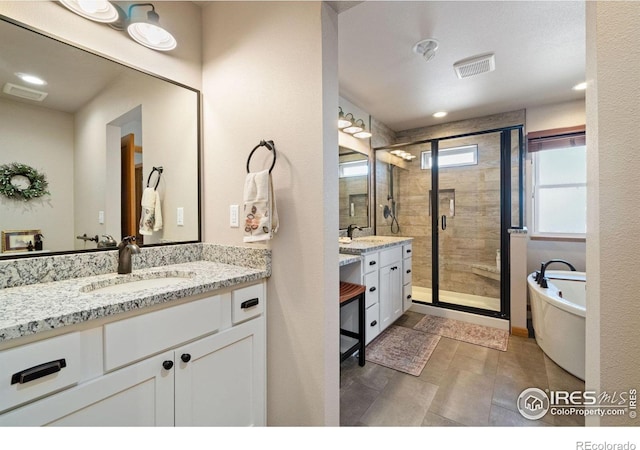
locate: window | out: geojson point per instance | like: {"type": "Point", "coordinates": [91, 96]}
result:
{"type": "Point", "coordinates": [452, 157]}
{"type": "Point", "coordinates": [559, 183]}
{"type": "Point", "coordinates": [354, 169]}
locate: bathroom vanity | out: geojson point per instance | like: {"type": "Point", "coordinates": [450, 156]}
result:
{"type": "Point", "coordinates": [179, 344]}
{"type": "Point", "coordinates": [383, 265]}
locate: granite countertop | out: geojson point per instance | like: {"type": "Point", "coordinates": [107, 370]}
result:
{"type": "Point", "coordinates": [34, 308]}
{"type": "Point", "coordinates": [346, 259]}
{"type": "Point", "coordinates": [361, 245]}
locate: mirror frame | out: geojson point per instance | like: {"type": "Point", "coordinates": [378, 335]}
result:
{"type": "Point", "coordinates": [371, 183]}
{"type": "Point", "coordinates": [144, 72]}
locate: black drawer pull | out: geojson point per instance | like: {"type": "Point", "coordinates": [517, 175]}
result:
{"type": "Point", "coordinates": [35, 372]}
{"type": "Point", "coordinates": [185, 357]}
{"type": "Point", "coordinates": [167, 365]}
{"type": "Point", "coordinates": [250, 303]}
{"type": "Point", "coordinates": [409, 297]}
{"type": "Point", "coordinates": [371, 289]}
{"type": "Point", "coordinates": [409, 250]}
{"type": "Point", "coordinates": [408, 270]}
{"type": "Point", "coordinates": [372, 263]}
{"type": "Point", "coordinates": [374, 323]}
{"type": "Point", "coordinates": [394, 268]}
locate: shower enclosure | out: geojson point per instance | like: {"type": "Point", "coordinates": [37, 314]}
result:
{"type": "Point", "coordinates": [458, 197]}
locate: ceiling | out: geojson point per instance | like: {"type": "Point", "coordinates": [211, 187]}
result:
{"type": "Point", "coordinates": [539, 51]}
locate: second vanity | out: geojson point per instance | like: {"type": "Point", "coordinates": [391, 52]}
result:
{"type": "Point", "coordinates": [383, 265]}
{"type": "Point", "coordinates": [181, 343]}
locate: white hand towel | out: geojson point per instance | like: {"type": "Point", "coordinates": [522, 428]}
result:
{"type": "Point", "coordinates": [261, 215]}
{"type": "Point", "coordinates": [151, 216]}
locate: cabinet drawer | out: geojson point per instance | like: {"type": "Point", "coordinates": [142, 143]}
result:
{"type": "Point", "coordinates": [407, 251]}
{"type": "Point", "coordinates": [406, 292]}
{"type": "Point", "coordinates": [371, 262]}
{"type": "Point", "coordinates": [406, 271]}
{"type": "Point", "coordinates": [391, 256]}
{"type": "Point", "coordinates": [247, 302]}
{"type": "Point", "coordinates": [38, 369]}
{"type": "Point", "coordinates": [372, 322]}
{"type": "Point", "coordinates": [371, 294]}
{"type": "Point", "coordinates": [132, 339]}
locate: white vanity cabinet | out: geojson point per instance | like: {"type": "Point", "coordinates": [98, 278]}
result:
{"type": "Point", "coordinates": [384, 273]}
{"type": "Point", "coordinates": [199, 363]}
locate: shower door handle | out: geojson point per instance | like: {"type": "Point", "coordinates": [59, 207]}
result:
{"type": "Point", "coordinates": [444, 222]}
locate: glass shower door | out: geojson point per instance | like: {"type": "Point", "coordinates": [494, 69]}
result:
{"type": "Point", "coordinates": [469, 222]}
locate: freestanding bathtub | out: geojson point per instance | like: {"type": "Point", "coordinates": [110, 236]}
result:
{"type": "Point", "coordinates": [558, 314]}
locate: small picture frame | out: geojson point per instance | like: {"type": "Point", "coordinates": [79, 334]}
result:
{"type": "Point", "coordinates": [18, 240]}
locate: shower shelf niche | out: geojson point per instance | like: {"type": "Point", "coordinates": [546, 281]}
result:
{"type": "Point", "coordinates": [487, 271]}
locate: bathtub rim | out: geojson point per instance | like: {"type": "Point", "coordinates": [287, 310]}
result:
{"type": "Point", "coordinates": [550, 294]}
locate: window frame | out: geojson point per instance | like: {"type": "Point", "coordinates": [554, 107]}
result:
{"type": "Point", "coordinates": [549, 140]}
{"type": "Point", "coordinates": [425, 156]}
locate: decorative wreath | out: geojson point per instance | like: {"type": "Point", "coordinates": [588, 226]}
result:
{"type": "Point", "coordinates": [37, 182]}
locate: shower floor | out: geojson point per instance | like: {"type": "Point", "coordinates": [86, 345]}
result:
{"type": "Point", "coordinates": [423, 294]}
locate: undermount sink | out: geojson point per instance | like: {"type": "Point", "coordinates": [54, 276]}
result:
{"type": "Point", "coordinates": [136, 282]}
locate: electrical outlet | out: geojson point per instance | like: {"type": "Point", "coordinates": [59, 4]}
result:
{"type": "Point", "coordinates": [233, 216]}
{"type": "Point", "coordinates": [180, 221]}
{"type": "Point", "coordinates": [101, 217]}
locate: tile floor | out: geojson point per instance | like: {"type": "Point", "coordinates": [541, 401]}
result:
{"type": "Point", "coordinates": [461, 385]}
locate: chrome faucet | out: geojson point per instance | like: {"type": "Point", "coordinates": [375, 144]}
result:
{"type": "Point", "coordinates": [126, 248]}
{"type": "Point", "coordinates": [351, 228]}
{"type": "Point", "coordinates": [542, 281]}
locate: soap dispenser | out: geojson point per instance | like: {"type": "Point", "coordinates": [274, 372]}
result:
{"type": "Point", "coordinates": [38, 238]}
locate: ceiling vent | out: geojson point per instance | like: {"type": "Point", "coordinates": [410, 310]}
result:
{"type": "Point", "coordinates": [24, 92]}
{"type": "Point", "coordinates": [475, 65]}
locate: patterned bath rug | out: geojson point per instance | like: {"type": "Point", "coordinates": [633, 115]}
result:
{"type": "Point", "coordinates": [463, 331]}
{"type": "Point", "coordinates": [402, 349]}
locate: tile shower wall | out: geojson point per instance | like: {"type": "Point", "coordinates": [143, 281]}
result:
{"type": "Point", "coordinates": [473, 233]}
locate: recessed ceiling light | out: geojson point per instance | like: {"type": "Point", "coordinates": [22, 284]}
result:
{"type": "Point", "coordinates": [31, 79]}
{"type": "Point", "coordinates": [580, 86]}
{"type": "Point", "coordinates": [440, 114]}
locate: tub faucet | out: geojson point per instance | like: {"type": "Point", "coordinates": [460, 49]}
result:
{"type": "Point", "coordinates": [351, 228]}
{"type": "Point", "coordinates": [542, 281]}
{"type": "Point", "coordinates": [126, 248]}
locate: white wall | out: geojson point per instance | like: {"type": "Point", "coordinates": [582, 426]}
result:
{"type": "Point", "coordinates": [613, 220]}
{"type": "Point", "coordinates": [548, 117]}
{"type": "Point", "coordinates": [270, 72]}
{"type": "Point", "coordinates": [50, 152]}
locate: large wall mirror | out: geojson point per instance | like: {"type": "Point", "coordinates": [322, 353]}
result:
{"type": "Point", "coordinates": [355, 188]}
{"type": "Point", "coordinates": [101, 133]}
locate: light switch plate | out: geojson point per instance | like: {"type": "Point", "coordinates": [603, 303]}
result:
{"type": "Point", "coordinates": [234, 216]}
{"type": "Point", "coordinates": [180, 221]}
{"type": "Point", "coordinates": [101, 217]}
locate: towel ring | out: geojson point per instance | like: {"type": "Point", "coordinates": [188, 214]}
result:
{"type": "Point", "coordinates": [270, 146]}
{"type": "Point", "coordinates": [155, 169]}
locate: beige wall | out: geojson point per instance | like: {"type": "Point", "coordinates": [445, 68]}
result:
{"type": "Point", "coordinates": [169, 139]}
{"type": "Point", "coordinates": [270, 72]}
{"type": "Point", "coordinates": [613, 221]}
{"type": "Point", "coordinates": [50, 151]}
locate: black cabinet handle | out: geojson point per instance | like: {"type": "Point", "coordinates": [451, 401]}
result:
{"type": "Point", "coordinates": [39, 371]}
{"type": "Point", "coordinates": [185, 357]}
{"type": "Point", "coordinates": [371, 289]}
{"type": "Point", "coordinates": [167, 365]}
{"type": "Point", "coordinates": [444, 222]}
{"type": "Point", "coordinates": [372, 263]}
{"type": "Point", "coordinates": [409, 297]}
{"type": "Point", "coordinates": [394, 268]}
{"type": "Point", "coordinates": [408, 270]}
{"type": "Point", "coordinates": [250, 303]}
{"type": "Point", "coordinates": [408, 250]}
{"type": "Point", "coordinates": [374, 323]}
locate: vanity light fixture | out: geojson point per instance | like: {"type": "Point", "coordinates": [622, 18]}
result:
{"type": "Point", "coordinates": [364, 134]}
{"type": "Point", "coordinates": [146, 30]}
{"type": "Point", "coordinates": [343, 120]}
{"type": "Point", "coordinates": [96, 10]}
{"type": "Point", "coordinates": [355, 127]}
